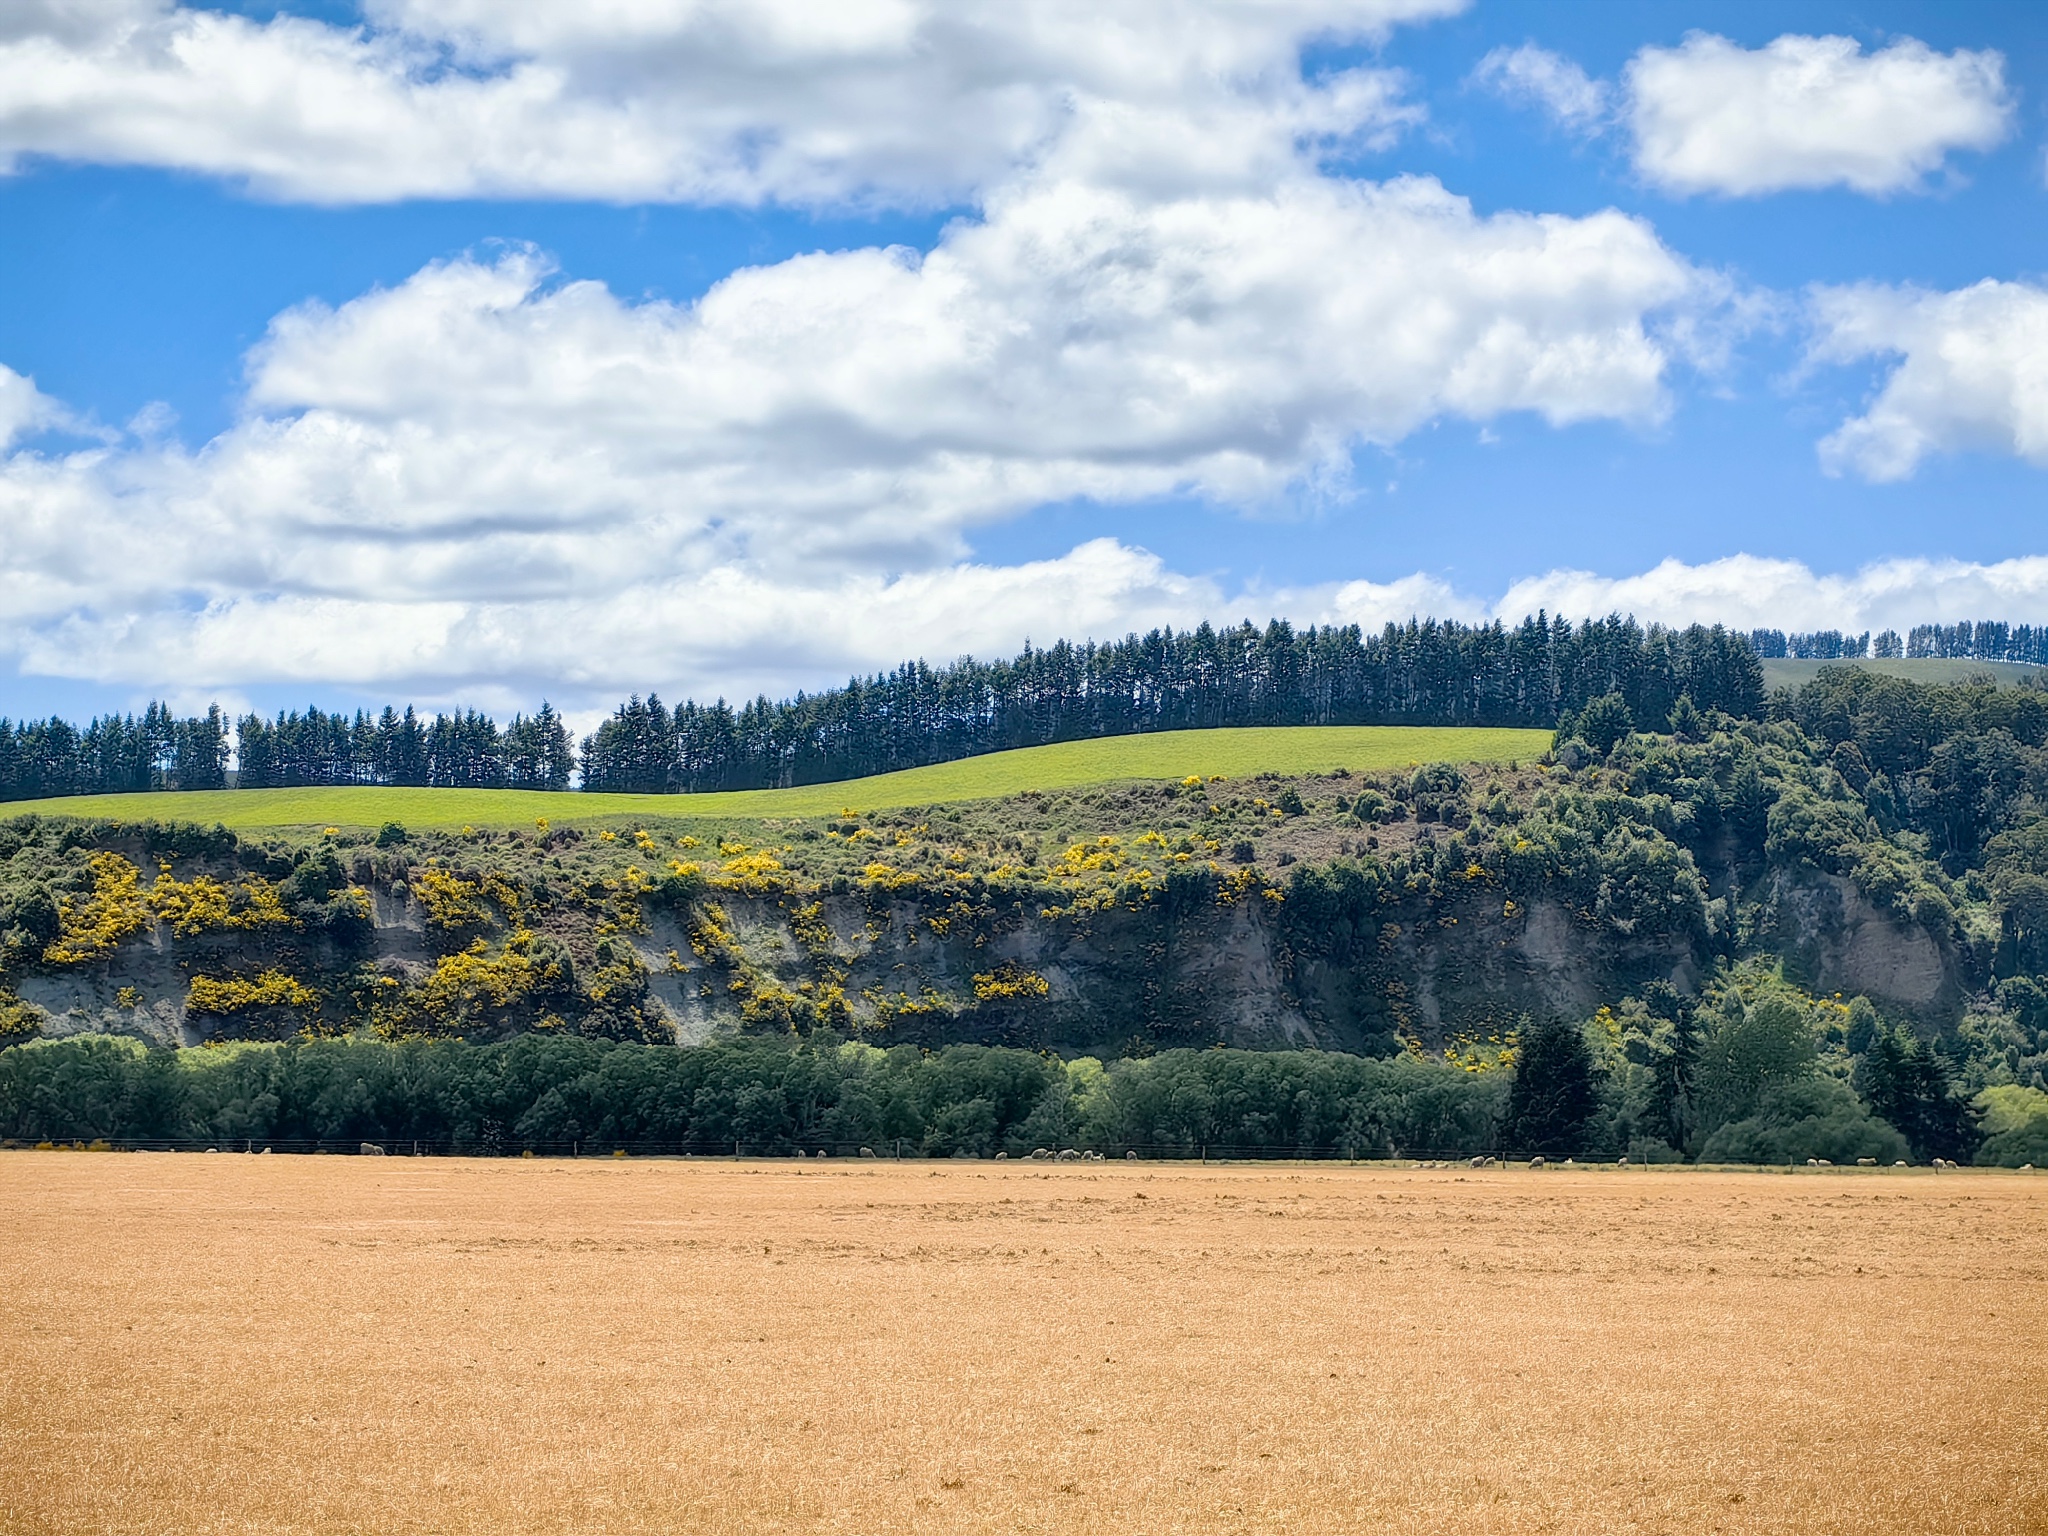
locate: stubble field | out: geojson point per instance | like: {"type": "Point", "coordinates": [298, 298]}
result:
{"type": "Point", "coordinates": [242, 1344]}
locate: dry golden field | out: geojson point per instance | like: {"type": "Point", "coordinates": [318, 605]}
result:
{"type": "Point", "coordinates": [272, 1344]}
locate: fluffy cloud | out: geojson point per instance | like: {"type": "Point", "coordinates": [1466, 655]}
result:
{"type": "Point", "coordinates": [1748, 592]}
{"type": "Point", "coordinates": [1800, 112]}
{"type": "Point", "coordinates": [1972, 373]}
{"type": "Point", "coordinates": [24, 409]}
{"type": "Point", "coordinates": [1078, 342]}
{"type": "Point", "coordinates": [1805, 112]}
{"type": "Point", "coordinates": [725, 631]}
{"type": "Point", "coordinates": [489, 479]}
{"type": "Point", "coordinates": [709, 100]}
{"type": "Point", "coordinates": [505, 456]}
{"type": "Point", "coordinates": [1533, 76]}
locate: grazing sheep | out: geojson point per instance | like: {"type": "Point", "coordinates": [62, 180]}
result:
{"type": "Point", "coordinates": [370, 1149]}
{"type": "Point", "coordinates": [1866, 1162]}
{"type": "Point", "coordinates": [1041, 1155]}
{"type": "Point", "coordinates": [1537, 1161]}
{"type": "Point", "coordinates": [1130, 1157]}
{"type": "Point", "coordinates": [1477, 1162]}
{"type": "Point", "coordinates": [1002, 1157]}
{"type": "Point", "coordinates": [1068, 1155]}
{"type": "Point", "coordinates": [867, 1151]}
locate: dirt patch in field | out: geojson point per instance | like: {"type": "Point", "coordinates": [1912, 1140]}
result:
{"type": "Point", "coordinates": [241, 1344]}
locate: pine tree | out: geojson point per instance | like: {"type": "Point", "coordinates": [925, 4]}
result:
{"type": "Point", "coordinates": [1907, 1085]}
{"type": "Point", "coordinates": [1551, 1101]}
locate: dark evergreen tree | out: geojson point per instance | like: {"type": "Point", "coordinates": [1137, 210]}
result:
{"type": "Point", "coordinates": [1907, 1085]}
{"type": "Point", "coordinates": [1687, 723]}
{"type": "Point", "coordinates": [537, 751]}
{"type": "Point", "coordinates": [1674, 1101]}
{"type": "Point", "coordinates": [1551, 1101]}
{"type": "Point", "coordinates": [1604, 722]}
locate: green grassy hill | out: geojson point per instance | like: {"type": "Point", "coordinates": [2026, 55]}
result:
{"type": "Point", "coordinates": [1785, 672]}
{"type": "Point", "coordinates": [1067, 765]}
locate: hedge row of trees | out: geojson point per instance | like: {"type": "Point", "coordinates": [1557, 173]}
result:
{"type": "Point", "coordinates": [465, 750]}
{"type": "Point", "coordinates": [118, 754]}
{"type": "Point", "coordinates": [554, 1093]}
{"type": "Point", "coordinates": [1967, 641]}
{"type": "Point", "coordinates": [1423, 673]}
{"type": "Point", "coordinates": [114, 753]}
{"type": "Point", "coordinates": [1823, 645]}
{"type": "Point", "coordinates": [1981, 642]}
{"type": "Point", "coordinates": [1736, 1083]}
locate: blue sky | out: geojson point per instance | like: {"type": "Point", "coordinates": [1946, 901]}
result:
{"type": "Point", "coordinates": [368, 360]}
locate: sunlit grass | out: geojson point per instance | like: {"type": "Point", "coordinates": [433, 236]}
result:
{"type": "Point", "coordinates": [1162, 755]}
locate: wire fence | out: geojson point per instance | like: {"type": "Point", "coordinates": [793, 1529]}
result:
{"type": "Point", "coordinates": [901, 1150]}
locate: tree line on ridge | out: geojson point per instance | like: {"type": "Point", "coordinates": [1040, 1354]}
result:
{"type": "Point", "coordinates": [1426, 672]}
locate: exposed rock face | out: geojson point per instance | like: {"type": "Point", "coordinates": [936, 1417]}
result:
{"type": "Point", "coordinates": [1229, 974]}
{"type": "Point", "coordinates": [1836, 940]}
{"type": "Point", "coordinates": [1215, 974]}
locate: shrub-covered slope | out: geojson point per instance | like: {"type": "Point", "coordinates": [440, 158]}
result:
{"type": "Point", "coordinates": [1874, 840]}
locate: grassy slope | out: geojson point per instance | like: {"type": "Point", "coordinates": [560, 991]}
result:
{"type": "Point", "coordinates": [1163, 755]}
{"type": "Point", "coordinates": [1785, 672]}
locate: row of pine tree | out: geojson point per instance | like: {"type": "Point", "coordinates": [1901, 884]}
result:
{"type": "Point", "coordinates": [1423, 673]}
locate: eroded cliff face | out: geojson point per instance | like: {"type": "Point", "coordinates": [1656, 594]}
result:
{"type": "Point", "coordinates": [1238, 972]}
{"type": "Point", "coordinates": [1367, 913]}
{"type": "Point", "coordinates": [1834, 939]}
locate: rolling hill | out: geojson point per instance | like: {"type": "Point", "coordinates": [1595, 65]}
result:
{"type": "Point", "coordinates": [1792, 672]}
{"type": "Point", "coordinates": [1064, 765]}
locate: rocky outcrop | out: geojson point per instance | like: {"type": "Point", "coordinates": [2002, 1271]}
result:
{"type": "Point", "coordinates": [1834, 939]}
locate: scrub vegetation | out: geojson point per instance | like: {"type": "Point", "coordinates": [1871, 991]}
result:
{"type": "Point", "coordinates": [1818, 935]}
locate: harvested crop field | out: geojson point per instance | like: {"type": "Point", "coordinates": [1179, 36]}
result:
{"type": "Point", "coordinates": [271, 1344]}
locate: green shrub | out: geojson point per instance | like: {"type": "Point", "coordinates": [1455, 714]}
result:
{"type": "Point", "coordinates": [1748, 1052]}
{"type": "Point", "coordinates": [2015, 1127]}
{"type": "Point", "coordinates": [1808, 1117]}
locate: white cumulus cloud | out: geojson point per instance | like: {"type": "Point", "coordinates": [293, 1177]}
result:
{"type": "Point", "coordinates": [909, 101]}
{"type": "Point", "coordinates": [26, 410]}
{"type": "Point", "coordinates": [724, 631]}
{"type": "Point", "coordinates": [1809, 112]}
{"type": "Point", "coordinates": [1971, 372]}
{"type": "Point", "coordinates": [514, 460]}
{"type": "Point", "coordinates": [1753, 592]}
